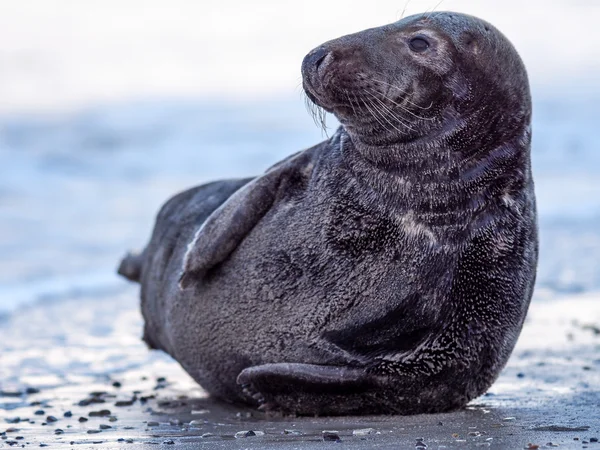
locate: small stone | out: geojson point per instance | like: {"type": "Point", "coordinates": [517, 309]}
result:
{"type": "Point", "coordinates": [117, 384]}
{"type": "Point", "coordinates": [12, 430]}
{"type": "Point", "coordinates": [153, 424]}
{"type": "Point", "coordinates": [40, 412]}
{"type": "Point", "coordinates": [68, 414]}
{"type": "Point", "coordinates": [550, 444]}
{"type": "Point", "coordinates": [531, 446]}
{"type": "Point", "coordinates": [174, 422]}
{"type": "Point", "coordinates": [112, 419]}
{"type": "Point", "coordinates": [32, 390]}
{"type": "Point", "coordinates": [594, 439]}
{"type": "Point", "coordinates": [474, 433]}
{"type": "Point", "coordinates": [293, 432]}
{"type": "Point", "coordinates": [51, 419]}
{"type": "Point", "coordinates": [129, 441]}
{"type": "Point", "coordinates": [83, 419]}
{"type": "Point", "coordinates": [363, 431]}
{"type": "Point", "coordinates": [244, 434]}
{"type": "Point", "coordinates": [205, 435]}
{"type": "Point", "coordinates": [520, 375]}
{"type": "Point", "coordinates": [196, 423]}
{"type": "Point", "coordinates": [331, 436]}
{"type": "Point", "coordinates": [101, 413]}
{"type": "Point", "coordinates": [104, 427]}
{"type": "Point", "coordinates": [58, 431]}
{"type": "Point", "coordinates": [43, 445]}
{"type": "Point", "coordinates": [12, 420]}
{"type": "Point", "coordinates": [121, 403]}
{"type": "Point", "coordinates": [94, 431]}
{"type": "Point", "coordinates": [168, 442]}
{"type": "Point", "coordinates": [19, 438]}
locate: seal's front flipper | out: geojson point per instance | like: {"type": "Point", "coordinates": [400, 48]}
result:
{"type": "Point", "coordinates": [227, 226]}
{"type": "Point", "coordinates": [310, 389]}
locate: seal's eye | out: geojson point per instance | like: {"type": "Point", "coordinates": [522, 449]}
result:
{"type": "Point", "coordinates": [418, 44]}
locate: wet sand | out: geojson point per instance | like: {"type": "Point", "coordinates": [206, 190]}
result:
{"type": "Point", "coordinates": [80, 377]}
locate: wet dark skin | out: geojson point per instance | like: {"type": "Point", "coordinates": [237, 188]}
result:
{"type": "Point", "coordinates": [387, 269]}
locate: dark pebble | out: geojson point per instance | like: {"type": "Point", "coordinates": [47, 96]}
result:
{"type": "Point", "coordinates": [68, 414]}
{"type": "Point", "coordinates": [40, 412]}
{"type": "Point", "coordinates": [58, 431]}
{"type": "Point", "coordinates": [117, 384]}
{"type": "Point", "coordinates": [51, 419]}
{"type": "Point", "coordinates": [153, 424]}
{"type": "Point", "coordinates": [11, 430]}
{"type": "Point", "coordinates": [124, 403]}
{"type": "Point", "coordinates": [169, 442]}
{"type": "Point", "coordinates": [94, 431]}
{"type": "Point", "coordinates": [18, 438]}
{"type": "Point", "coordinates": [13, 420]}
{"type": "Point", "coordinates": [97, 393]}
{"type": "Point", "coordinates": [594, 439]}
{"type": "Point", "coordinates": [101, 413]}
{"type": "Point", "coordinates": [32, 390]}
{"type": "Point", "coordinates": [161, 379]}
{"type": "Point", "coordinates": [520, 375]}
{"type": "Point", "coordinates": [120, 440]}
{"type": "Point", "coordinates": [331, 436]}
{"type": "Point", "coordinates": [43, 445]}
{"type": "Point", "coordinates": [129, 441]}
{"type": "Point", "coordinates": [104, 427]}
{"type": "Point", "coordinates": [10, 393]}
{"type": "Point", "coordinates": [83, 419]}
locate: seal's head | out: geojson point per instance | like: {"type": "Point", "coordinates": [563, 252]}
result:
{"type": "Point", "coordinates": [420, 77]}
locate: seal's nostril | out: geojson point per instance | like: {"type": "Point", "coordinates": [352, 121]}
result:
{"type": "Point", "coordinates": [314, 59]}
{"type": "Point", "coordinates": [319, 57]}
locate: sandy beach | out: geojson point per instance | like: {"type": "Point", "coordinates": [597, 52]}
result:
{"type": "Point", "coordinates": [81, 378]}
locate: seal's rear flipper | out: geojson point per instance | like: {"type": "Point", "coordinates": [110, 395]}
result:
{"type": "Point", "coordinates": [131, 266]}
{"type": "Point", "coordinates": [309, 389]}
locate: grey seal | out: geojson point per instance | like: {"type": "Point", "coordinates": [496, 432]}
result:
{"type": "Point", "coordinates": [388, 269]}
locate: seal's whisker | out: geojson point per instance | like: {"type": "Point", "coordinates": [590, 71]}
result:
{"type": "Point", "coordinates": [403, 92]}
{"type": "Point", "coordinates": [428, 14]}
{"type": "Point", "coordinates": [402, 107]}
{"type": "Point", "coordinates": [389, 112]}
{"type": "Point", "coordinates": [317, 113]}
{"type": "Point", "coordinates": [404, 9]}
{"type": "Point", "coordinates": [383, 112]}
{"type": "Point", "coordinates": [350, 101]}
{"type": "Point", "coordinates": [374, 115]}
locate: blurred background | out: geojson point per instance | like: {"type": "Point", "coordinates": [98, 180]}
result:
{"type": "Point", "coordinates": [109, 107]}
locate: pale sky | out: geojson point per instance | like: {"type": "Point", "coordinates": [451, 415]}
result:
{"type": "Point", "coordinates": [66, 54]}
